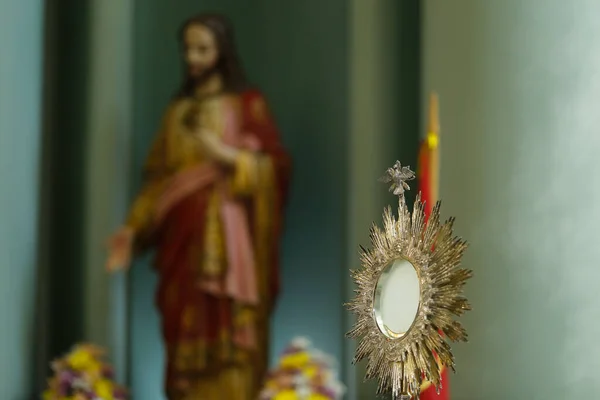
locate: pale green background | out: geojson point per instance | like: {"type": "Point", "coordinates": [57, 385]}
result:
{"type": "Point", "coordinates": [20, 122]}
{"type": "Point", "coordinates": [519, 85]}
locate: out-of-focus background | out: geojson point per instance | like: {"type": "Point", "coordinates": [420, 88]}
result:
{"type": "Point", "coordinates": [83, 85]}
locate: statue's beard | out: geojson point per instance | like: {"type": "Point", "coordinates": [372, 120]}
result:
{"type": "Point", "coordinates": [201, 78]}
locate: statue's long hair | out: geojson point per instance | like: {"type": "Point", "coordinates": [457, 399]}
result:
{"type": "Point", "coordinates": [228, 64]}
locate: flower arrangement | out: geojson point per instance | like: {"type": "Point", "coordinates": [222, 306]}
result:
{"type": "Point", "coordinates": [83, 375]}
{"type": "Point", "coordinates": [303, 373]}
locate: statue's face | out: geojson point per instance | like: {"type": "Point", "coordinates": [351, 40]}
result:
{"type": "Point", "coordinates": [201, 53]}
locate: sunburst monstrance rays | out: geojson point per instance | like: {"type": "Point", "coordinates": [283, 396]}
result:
{"type": "Point", "coordinates": [401, 364]}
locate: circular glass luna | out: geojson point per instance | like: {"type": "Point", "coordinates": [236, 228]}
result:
{"type": "Point", "coordinates": [397, 298]}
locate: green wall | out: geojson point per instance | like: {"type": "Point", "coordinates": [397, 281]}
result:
{"type": "Point", "coordinates": [301, 65]}
{"type": "Point", "coordinates": [296, 53]}
{"type": "Point", "coordinates": [20, 125]}
{"type": "Point", "coordinates": [65, 130]}
{"type": "Point", "coordinates": [86, 112]}
{"type": "Point", "coordinates": [519, 96]}
{"type": "Point", "coordinates": [108, 152]}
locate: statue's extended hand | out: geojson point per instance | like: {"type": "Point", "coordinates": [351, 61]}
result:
{"type": "Point", "coordinates": [119, 250]}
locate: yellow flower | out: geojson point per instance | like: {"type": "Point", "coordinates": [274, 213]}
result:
{"type": "Point", "coordinates": [286, 395]}
{"type": "Point", "coordinates": [81, 360]}
{"type": "Point", "coordinates": [311, 371]}
{"type": "Point", "coordinates": [296, 360]}
{"type": "Point", "coordinates": [49, 395]}
{"type": "Point", "coordinates": [317, 396]}
{"type": "Point", "coordinates": [104, 389]}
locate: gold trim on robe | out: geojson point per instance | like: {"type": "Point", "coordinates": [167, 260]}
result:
{"type": "Point", "coordinates": [213, 257]}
